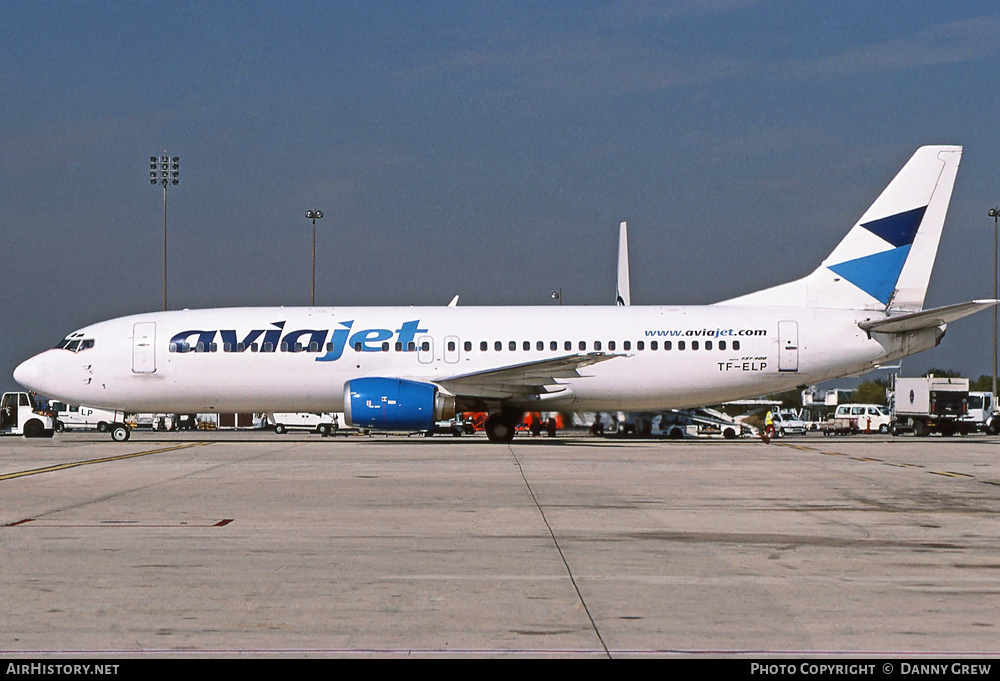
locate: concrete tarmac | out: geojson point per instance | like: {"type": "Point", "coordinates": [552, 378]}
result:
{"type": "Point", "coordinates": [260, 544]}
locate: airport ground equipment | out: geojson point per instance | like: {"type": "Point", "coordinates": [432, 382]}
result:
{"type": "Point", "coordinates": [981, 415]}
{"type": "Point", "coordinates": [324, 424]}
{"type": "Point", "coordinates": [788, 423]}
{"type": "Point", "coordinates": [839, 426]}
{"type": "Point", "coordinates": [71, 417]}
{"type": "Point", "coordinates": [19, 415]}
{"type": "Point", "coordinates": [865, 418]}
{"type": "Point", "coordinates": [457, 426]}
{"type": "Point", "coordinates": [930, 405]}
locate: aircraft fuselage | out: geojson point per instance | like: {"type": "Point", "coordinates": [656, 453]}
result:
{"type": "Point", "coordinates": [299, 359]}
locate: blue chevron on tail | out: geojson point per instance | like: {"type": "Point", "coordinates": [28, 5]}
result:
{"type": "Point", "coordinates": [885, 261]}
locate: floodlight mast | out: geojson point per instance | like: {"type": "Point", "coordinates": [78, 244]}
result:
{"type": "Point", "coordinates": [994, 213]}
{"type": "Point", "coordinates": [164, 171]}
{"type": "Point", "coordinates": [314, 215]}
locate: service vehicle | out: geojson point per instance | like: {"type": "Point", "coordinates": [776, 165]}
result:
{"type": "Point", "coordinates": [19, 415]}
{"type": "Point", "coordinates": [981, 414]}
{"type": "Point", "coordinates": [865, 418]}
{"type": "Point", "coordinates": [457, 427]}
{"type": "Point", "coordinates": [788, 423]}
{"type": "Point", "coordinates": [72, 417]}
{"type": "Point", "coordinates": [324, 424]}
{"type": "Point", "coordinates": [930, 405]}
{"type": "Point", "coordinates": [838, 426]}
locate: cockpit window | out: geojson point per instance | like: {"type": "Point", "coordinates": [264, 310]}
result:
{"type": "Point", "coordinates": [75, 343]}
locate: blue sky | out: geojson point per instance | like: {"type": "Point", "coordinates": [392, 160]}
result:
{"type": "Point", "coordinates": [477, 148]}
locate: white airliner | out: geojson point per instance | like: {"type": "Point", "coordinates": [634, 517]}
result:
{"type": "Point", "coordinates": [403, 368]}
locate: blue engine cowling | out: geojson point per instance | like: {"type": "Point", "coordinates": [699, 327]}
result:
{"type": "Point", "coordinates": [395, 404]}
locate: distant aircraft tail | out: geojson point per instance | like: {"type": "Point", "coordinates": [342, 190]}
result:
{"type": "Point", "coordinates": [885, 261]}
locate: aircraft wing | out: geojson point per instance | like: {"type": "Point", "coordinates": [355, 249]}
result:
{"type": "Point", "coordinates": [925, 319]}
{"type": "Point", "coordinates": [523, 380]}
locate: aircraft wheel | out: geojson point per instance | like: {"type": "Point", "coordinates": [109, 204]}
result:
{"type": "Point", "coordinates": [121, 433]}
{"type": "Point", "coordinates": [501, 428]}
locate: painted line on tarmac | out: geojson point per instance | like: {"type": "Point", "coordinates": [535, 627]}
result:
{"type": "Point", "coordinates": [107, 459]}
{"type": "Point", "coordinates": [947, 474]}
{"type": "Point", "coordinates": [951, 474]}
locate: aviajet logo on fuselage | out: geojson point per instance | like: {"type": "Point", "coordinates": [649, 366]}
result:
{"type": "Point", "coordinates": [301, 340]}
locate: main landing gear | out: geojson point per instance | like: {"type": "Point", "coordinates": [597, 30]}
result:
{"type": "Point", "coordinates": [502, 426]}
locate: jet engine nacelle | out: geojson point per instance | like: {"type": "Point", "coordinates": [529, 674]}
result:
{"type": "Point", "coordinates": [395, 404]}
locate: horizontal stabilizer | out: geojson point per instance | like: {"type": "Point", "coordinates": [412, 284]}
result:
{"type": "Point", "coordinates": [914, 321]}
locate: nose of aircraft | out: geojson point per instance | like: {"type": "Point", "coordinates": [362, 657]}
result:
{"type": "Point", "coordinates": [31, 374]}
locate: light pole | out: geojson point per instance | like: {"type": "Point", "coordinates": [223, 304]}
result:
{"type": "Point", "coordinates": [314, 215]}
{"type": "Point", "coordinates": [164, 171]}
{"type": "Point", "coordinates": [994, 213]}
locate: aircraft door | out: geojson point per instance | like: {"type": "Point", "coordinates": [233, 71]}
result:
{"type": "Point", "coordinates": [425, 349]}
{"type": "Point", "coordinates": [788, 346]}
{"type": "Point", "coordinates": [144, 348]}
{"type": "Point", "coordinates": [451, 351]}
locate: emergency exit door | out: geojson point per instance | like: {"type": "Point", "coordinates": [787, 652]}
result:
{"type": "Point", "coordinates": [788, 346]}
{"type": "Point", "coordinates": [144, 347]}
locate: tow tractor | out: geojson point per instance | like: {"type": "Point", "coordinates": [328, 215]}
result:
{"type": "Point", "coordinates": [20, 416]}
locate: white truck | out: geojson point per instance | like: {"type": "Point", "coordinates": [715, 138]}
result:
{"type": "Point", "coordinates": [20, 416]}
{"type": "Point", "coordinates": [930, 405]}
{"type": "Point", "coordinates": [981, 414]}
{"type": "Point", "coordinates": [324, 424]}
{"type": "Point", "coordinates": [70, 417]}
